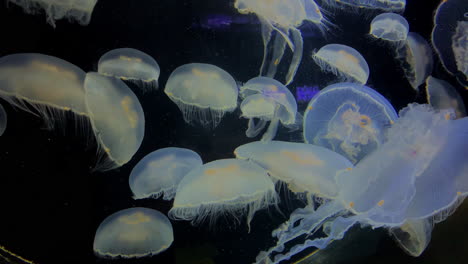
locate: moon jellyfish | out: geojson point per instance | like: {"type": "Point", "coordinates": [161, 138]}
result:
{"type": "Point", "coordinates": [449, 37]}
{"type": "Point", "coordinates": [343, 61]}
{"type": "Point", "coordinates": [283, 17]}
{"type": "Point", "coordinates": [386, 5]}
{"type": "Point", "coordinates": [3, 120]}
{"type": "Point", "coordinates": [223, 187]}
{"type": "Point", "coordinates": [413, 236]}
{"type": "Point", "coordinates": [268, 100]}
{"type": "Point", "coordinates": [349, 119]}
{"type": "Point", "coordinates": [442, 95]}
{"type": "Point", "coordinates": [303, 167]}
{"type": "Point", "coordinates": [117, 119]}
{"type": "Point", "coordinates": [399, 181]}
{"type": "Point", "coordinates": [416, 59]}
{"type": "Point", "coordinates": [130, 64]}
{"type": "Point", "coordinates": [159, 173]}
{"type": "Point", "coordinates": [133, 233]}
{"type": "Point", "coordinates": [203, 93]}
{"type": "Point", "coordinates": [78, 10]}
{"type": "Point", "coordinates": [390, 27]}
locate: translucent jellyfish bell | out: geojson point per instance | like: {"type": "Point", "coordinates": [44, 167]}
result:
{"type": "Point", "coordinates": [117, 119]}
{"type": "Point", "coordinates": [343, 61]}
{"type": "Point", "coordinates": [133, 233]}
{"type": "Point", "coordinates": [130, 64]}
{"type": "Point", "coordinates": [386, 5]}
{"type": "Point", "coordinates": [159, 173]}
{"type": "Point", "coordinates": [3, 120]}
{"type": "Point", "coordinates": [78, 10]}
{"type": "Point", "coordinates": [390, 27]}
{"type": "Point", "coordinates": [303, 167]}
{"type": "Point", "coordinates": [349, 119]}
{"type": "Point", "coordinates": [203, 93]}
{"type": "Point", "coordinates": [442, 95]}
{"type": "Point", "coordinates": [222, 187]}
{"type": "Point", "coordinates": [413, 236]}
{"type": "Point", "coordinates": [268, 100]}
{"type": "Point", "coordinates": [282, 17]}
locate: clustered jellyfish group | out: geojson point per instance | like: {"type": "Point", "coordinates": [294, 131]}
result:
{"type": "Point", "coordinates": [361, 163]}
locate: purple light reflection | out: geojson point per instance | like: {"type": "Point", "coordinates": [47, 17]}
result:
{"type": "Point", "coordinates": [305, 93]}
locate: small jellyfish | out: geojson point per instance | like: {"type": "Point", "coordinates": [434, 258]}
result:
{"type": "Point", "coordinates": [117, 119]}
{"type": "Point", "coordinates": [133, 233]}
{"type": "Point", "coordinates": [349, 119]}
{"type": "Point", "coordinates": [223, 187]}
{"type": "Point", "coordinates": [3, 120]}
{"type": "Point", "coordinates": [78, 10]}
{"type": "Point", "coordinates": [159, 173]}
{"type": "Point", "coordinates": [268, 100]}
{"type": "Point", "coordinates": [416, 59]}
{"type": "Point", "coordinates": [390, 27]}
{"type": "Point", "coordinates": [203, 93]}
{"type": "Point", "coordinates": [385, 5]}
{"type": "Point", "coordinates": [343, 61]}
{"type": "Point", "coordinates": [442, 95]}
{"type": "Point", "coordinates": [283, 17]}
{"type": "Point", "coordinates": [303, 167]}
{"type": "Point", "coordinates": [130, 64]}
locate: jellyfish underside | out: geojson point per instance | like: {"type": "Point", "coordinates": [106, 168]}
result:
{"type": "Point", "coordinates": [390, 27]}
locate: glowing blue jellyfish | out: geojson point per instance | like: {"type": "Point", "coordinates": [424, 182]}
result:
{"type": "Point", "coordinates": [223, 187]}
{"type": "Point", "coordinates": [442, 95]}
{"type": "Point", "coordinates": [303, 167]}
{"type": "Point", "coordinates": [268, 100]}
{"type": "Point", "coordinates": [3, 120]}
{"type": "Point", "coordinates": [133, 233]}
{"type": "Point", "coordinates": [343, 61]}
{"type": "Point", "coordinates": [130, 64]}
{"type": "Point", "coordinates": [159, 173]}
{"type": "Point", "coordinates": [349, 119]}
{"type": "Point", "coordinates": [399, 181]}
{"type": "Point", "coordinates": [386, 5]}
{"type": "Point", "coordinates": [283, 17]}
{"type": "Point", "coordinates": [78, 10]}
{"type": "Point", "coordinates": [390, 27]}
{"type": "Point", "coordinates": [203, 93]}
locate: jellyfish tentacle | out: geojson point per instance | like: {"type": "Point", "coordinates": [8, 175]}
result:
{"type": "Point", "coordinates": [254, 129]}
{"type": "Point", "coordinates": [273, 127]}
{"type": "Point", "coordinates": [267, 31]}
{"type": "Point", "coordinates": [297, 56]}
{"type": "Point", "coordinates": [278, 51]}
{"type": "Point", "coordinates": [285, 35]}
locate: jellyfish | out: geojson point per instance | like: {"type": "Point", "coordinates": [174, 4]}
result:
{"type": "Point", "coordinates": [203, 93]}
{"type": "Point", "coordinates": [442, 95]}
{"type": "Point", "coordinates": [413, 236]}
{"type": "Point", "coordinates": [283, 17]}
{"type": "Point", "coordinates": [416, 59]}
{"type": "Point", "coordinates": [397, 182]}
{"type": "Point", "coordinates": [449, 37]}
{"type": "Point", "coordinates": [349, 119]}
{"type": "Point", "coordinates": [3, 120]}
{"type": "Point", "coordinates": [343, 61]}
{"type": "Point", "coordinates": [133, 233]}
{"type": "Point", "coordinates": [305, 168]}
{"type": "Point", "coordinates": [159, 173]}
{"type": "Point", "coordinates": [130, 64]}
{"type": "Point", "coordinates": [385, 5]}
{"type": "Point", "coordinates": [223, 187]}
{"type": "Point", "coordinates": [390, 27]}
{"type": "Point", "coordinates": [77, 10]}
{"type": "Point", "coordinates": [117, 119]}
{"type": "Point", "coordinates": [268, 100]}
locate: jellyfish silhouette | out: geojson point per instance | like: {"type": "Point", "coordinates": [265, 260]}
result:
{"type": "Point", "coordinates": [390, 27]}
{"type": "Point", "coordinates": [3, 120]}
{"type": "Point", "coordinates": [385, 5]}
{"type": "Point", "coordinates": [203, 93]}
{"type": "Point", "coordinates": [133, 233]}
{"type": "Point", "coordinates": [132, 65]}
{"type": "Point", "coordinates": [78, 10]}
{"type": "Point", "coordinates": [268, 100]}
{"type": "Point", "coordinates": [283, 17]}
{"type": "Point", "coordinates": [442, 95]}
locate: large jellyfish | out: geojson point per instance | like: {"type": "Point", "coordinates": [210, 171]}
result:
{"type": "Point", "coordinates": [3, 120]}
{"type": "Point", "coordinates": [303, 167]}
{"type": "Point", "coordinates": [130, 64]}
{"type": "Point", "coordinates": [203, 93]}
{"type": "Point", "coordinates": [399, 181]}
{"type": "Point", "coordinates": [221, 187]}
{"type": "Point", "coordinates": [349, 119]}
{"type": "Point", "coordinates": [416, 59]}
{"type": "Point", "coordinates": [390, 27]}
{"type": "Point", "coordinates": [386, 5]}
{"type": "Point", "coordinates": [442, 95]}
{"type": "Point", "coordinates": [283, 17]}
{"type": "Point", "coordinates": [449, 37]}
{"type": "Point", "coordinates": [343, 61]}
{"type": "Point", "coordinates": [159, 173]}
{"type": "Point", "coordinates": [117, 119]}
{"type": "Point", "coordinates": [78, 10]}
{"type": "Point", "coordinates": [133, 233]}
{"type": "Point", "coordinates": [268, 100]}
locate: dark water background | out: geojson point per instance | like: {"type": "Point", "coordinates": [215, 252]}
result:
{"type": "Point", "coordinates": [51, 204]}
